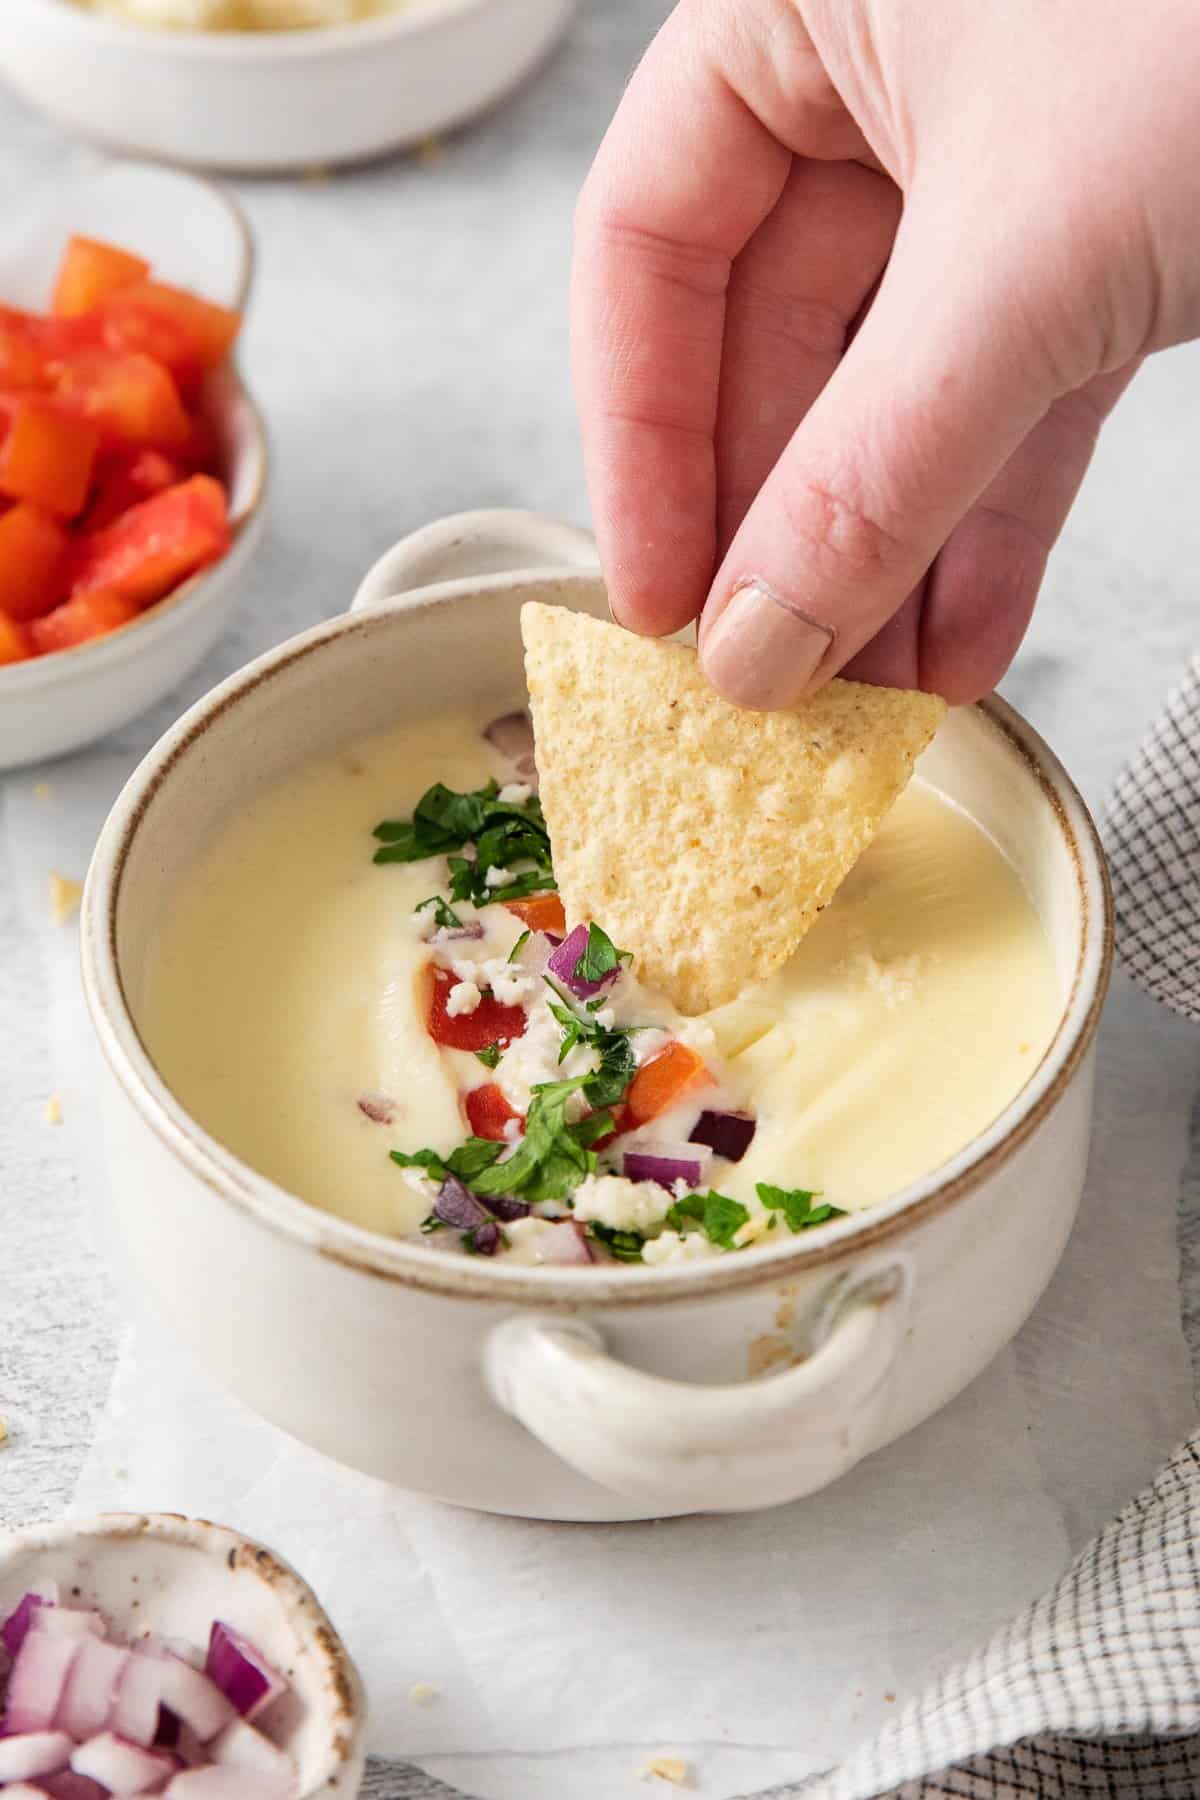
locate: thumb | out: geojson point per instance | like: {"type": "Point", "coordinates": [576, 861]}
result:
{"type": "Point", "coordinates": [941, 384]}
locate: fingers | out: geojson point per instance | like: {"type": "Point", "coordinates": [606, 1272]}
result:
{"type": "Point", "coordinates": [982, 589]}
{"type": "Point", "coordinates": [934, 395]}
{"type": "Point", "coordinates": [793, 294]}
{"type": "Point", "coordinates": [687, 173]}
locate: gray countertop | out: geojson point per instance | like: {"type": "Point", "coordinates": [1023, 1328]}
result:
{"type": "Point", "coordinates": [408, 344]}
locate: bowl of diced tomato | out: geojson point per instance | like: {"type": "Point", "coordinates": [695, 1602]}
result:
{"type": "Point", "coordinates": [132, 462]}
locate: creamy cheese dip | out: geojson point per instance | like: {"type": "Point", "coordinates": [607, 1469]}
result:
{"type": "Point", "coordinates": [247, 15]}
{"type": "Point", "coordinates": [285, 1007]}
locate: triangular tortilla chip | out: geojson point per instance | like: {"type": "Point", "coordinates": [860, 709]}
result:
{"type": "Point", "coordinates": [704, 838]}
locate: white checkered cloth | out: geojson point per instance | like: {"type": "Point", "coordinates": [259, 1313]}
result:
{"type": "Point", "coordinates": [1093, 1693]}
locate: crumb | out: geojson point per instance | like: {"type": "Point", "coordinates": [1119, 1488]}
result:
{"type": "Point", "coordinates": [42, 790]}
{"type": "Point", "coordinates": [316, 175]}
{"type": "Point", "coordinates": [430, 150]}
{"type": "Point", "coordinates": [890, 1698]}
{"type": "Point", "coordinates": [65, 895]}
{"type": "Point", "coordinates": [54, 1114]}
{"type": "Point", "coordinates": [3, 1432]}
{"type": "Point", "coordinates": [667, 1768]}
{"type": "Point", "coordinates": [121, 1475]}
{"type": "Point", "coordinates": [421, 1693]}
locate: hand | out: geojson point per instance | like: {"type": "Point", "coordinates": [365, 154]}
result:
{"type": "Point", "coordinates": [855, 286]}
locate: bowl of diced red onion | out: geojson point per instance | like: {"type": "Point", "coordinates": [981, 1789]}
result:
{"type": "Point", "coordinates": [144, 1654]}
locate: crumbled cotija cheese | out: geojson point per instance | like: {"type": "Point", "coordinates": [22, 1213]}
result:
{"type": "Point", "coordinates": [464, 997]}
{"type": "Point", "coordinates": [620, 1204]}
{"type": "Point", "coordinates": [532, 1059]}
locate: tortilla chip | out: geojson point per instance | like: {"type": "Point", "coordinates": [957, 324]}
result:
{"type": "Point", "coordinates": [704, 838]}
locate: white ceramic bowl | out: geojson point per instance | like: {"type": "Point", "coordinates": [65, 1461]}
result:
{"type": "Point", "coordinates": [597, 1393]}
{"type": "Point", "coordinates": [270, 101]}
{"type": "Point", "coordinates": [157, 1572]}
{"type": "Point", "coordinates": [195, 237]}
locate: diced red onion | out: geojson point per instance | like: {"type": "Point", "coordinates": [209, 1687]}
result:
{"type": "Point", "coordinates": [67, 1621]}
{"type": "Point", "coordinates": [567, 1244]}
{"type": "Point", "coordinates": [216, 1783]}
{"type": "Point", "coordinates": [729, 1134]}
{"type": "Point", "coordinates": [512, 736]}
{"type": "Point", "coordinates": [379, 1108]}
{"type": "Point", "coordinates": [485, 1239]}
{"type": "Point", "coordinates": [12, 1632]}
{"type": "Point", "coordinates": [33, 1753]}
{"type": "Point", "coordinates": [168, 1731]}
{"type": "Point", "coordinates": [90, 1692]}
{"type": "Point", "coordinates": [37, 1680]}
{"type": "Point", "coordinates": [506, 1207]}
{"type": "Point", "coordinates": [456, 1205]}
{"type": "Point", "coordinates": [136, 1714]}
{"type": "Point", "coordinates": [667, 1164]}
{"type": "Point", "coordinates": [194, 1699]}
{"type": "Point", "coordinates": [454, 934]}
{"type": "Point", "coordinates": [562, 963]}
{"type": "Point", "coordinates": [122, 1767]}
{"type": "Point", "coordinates": [243, 1674]}
{"type": "Point", "coordinates": [242, 1746]}
{"type": "Point", "coordinates": [69, 1786]}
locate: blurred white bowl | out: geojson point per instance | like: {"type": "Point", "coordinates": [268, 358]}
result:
{"type": "Point", "coordinates": [195, 237]}
{"type": "Point", "coordinates": [274, 100]}
{"type": "Point", "coordinates": [157, 1572]}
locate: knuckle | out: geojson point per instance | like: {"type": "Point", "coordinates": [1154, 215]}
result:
{"type": "Point", "coordinates": [832, 519]}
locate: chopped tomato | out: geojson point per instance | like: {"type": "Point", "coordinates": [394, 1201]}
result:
{"type": "Point", "coordinates": [488, 1112]}
{"type": "Point", "coordinates": [154, 546]}
{"type": "Point", "coordinates": [128, 479]}
{"type": "Point", "coordinates": [47, 457]}
{"type": "Point", "coordinates": [33, 557]}
{"type": "Point", "coordinates": [662, 1081]}
{"type": "Point", "coordinates": [89, 272]}
{"type": "Point", "coordinates": [21, 360]}
{"type": "Point", "coordinates": [202, 454]}
{"type": "Point", "coordinates": [131, 398]}
{"type": "Point", "coordinates": [184, 333]}
{"type": "Point", "coordinates": [541, 912]}
{"type": "Point", "coordinates": [15, 643]}
{"type": "Point", "coordinates": [79, 620]}
{"type": "Point", "coordinates": [489, 1024]}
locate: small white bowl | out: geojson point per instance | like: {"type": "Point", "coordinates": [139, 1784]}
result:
{"type": "Point", "coordinates": [157, 1572]}
{"type": "Point", "coordinates": [274, 100]}
{"type": "Point", "coordinates": [195, 237]}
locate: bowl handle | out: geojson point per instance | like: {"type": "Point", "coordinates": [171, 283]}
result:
{"type": "Point", "coordinates": [673, 1446]}
{"type": "Point", "coordinates": [469, 547]}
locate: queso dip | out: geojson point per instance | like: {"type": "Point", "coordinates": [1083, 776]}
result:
{"type": "Point", "coordinates": [384, 1050]}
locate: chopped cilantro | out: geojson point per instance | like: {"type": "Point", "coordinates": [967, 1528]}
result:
{"type": "Point", "coordinates": [505, 834]}
{"type": "Point", "coordinates": [467, 1162]}
{"type": "Point", "coordinates": [796, 1205]}
{"type": "Point", "coordinates": [490, 1057]}
{"type": "Point", "coordinates": [445, 915]}
{"type": "Point", "coordinates": [518, 947]}
{"type": "Point", "coordinates": [553, 1157]}
{"type": "Point", "coordinates": [626, 1246]}
{"type": "Point", "coordinates": [617, 1064]}
{"type": "Point", "coordinates": [599, 956]}
{"type": "Point", "coordinates": [718, 1217]}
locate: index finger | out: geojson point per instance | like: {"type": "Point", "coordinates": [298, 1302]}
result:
{"type": "Point", "coordinates": [683, 178]}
